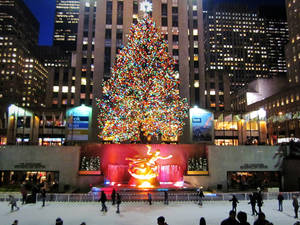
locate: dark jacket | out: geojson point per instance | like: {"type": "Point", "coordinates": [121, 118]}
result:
{"type": "Point", "coordinates": [230, 221]}
{"type": "Point", "coordinates": [103, 198]}
{"type": "Point", "coordinates": [261, 222]}
{"type": "Point", "coordinates": [119, 199]}
{"type": "Point", "coordinates": [280, 197]}
{"type": "Point", "coordinates": [234, 201]}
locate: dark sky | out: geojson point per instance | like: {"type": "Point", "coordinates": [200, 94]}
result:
{"type": "Point", "coordinates": [44, 11]}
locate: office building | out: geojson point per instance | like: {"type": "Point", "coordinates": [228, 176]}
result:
{"type": "Point", "coordinates": [65, 24]}
{"type": "Point", "coordinates": [23, 76]}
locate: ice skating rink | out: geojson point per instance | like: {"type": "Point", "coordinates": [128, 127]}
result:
{"type": "Point", "coordinates": [139, 213]}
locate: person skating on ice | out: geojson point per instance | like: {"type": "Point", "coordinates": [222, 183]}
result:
{"type": "Point", "coordinates": [13, 203]}
{"type": "Point", "coordinates": [252, 202]}
{"type": "Point", "coordinates": [231, 219]}
{"type": "Point", "coordinates": [113, 196]}
{"type": "Point", "coordinates": [234, 202]}
{"type": "Point", "coordinates": [103, 200]}
{"type": "Point", "coordinates": [150, 198]}
{"type": "Point", "coordinates": [166, 198]}
{"type": "Point", "coordinates": [200, 196]}
{"type": "Point", "coordinates": [118, 202]}
{"type": "Point", "coordinates": [161, 221]}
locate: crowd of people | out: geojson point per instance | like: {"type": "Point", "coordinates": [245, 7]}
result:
{"type": "Point", "coordinates": [256, 198]}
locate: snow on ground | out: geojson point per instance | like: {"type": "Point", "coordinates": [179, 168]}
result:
{"type": "Point", "coordinates": [139, 213]}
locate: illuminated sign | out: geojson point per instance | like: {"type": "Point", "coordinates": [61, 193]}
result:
{"type": "Point", "coordinates": [201, 125]}
{"type": "Point", "coordinates": [78, 120]}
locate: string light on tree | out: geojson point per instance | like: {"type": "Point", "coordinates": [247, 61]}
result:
{"type": "Point", "coordinates": [141, 99]}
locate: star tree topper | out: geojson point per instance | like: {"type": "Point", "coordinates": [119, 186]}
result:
{"type": "Point", "coordinates": [146, 6]}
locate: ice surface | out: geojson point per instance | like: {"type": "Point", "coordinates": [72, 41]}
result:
{"type": "Point", "coordinates": [139, 213]}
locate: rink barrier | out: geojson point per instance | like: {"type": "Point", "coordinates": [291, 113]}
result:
{"type": "Point", "coordinates": [156, 196]}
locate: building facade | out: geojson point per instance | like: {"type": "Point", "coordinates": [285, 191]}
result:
{"type": "Point", "coordinates": [241, 45]}
{"type": "Point", "coordinates": [23, 76]}
{"type": "Point", "coordinates": [293, 48]}
{"type": "Point", "coordinates": [65, 24]}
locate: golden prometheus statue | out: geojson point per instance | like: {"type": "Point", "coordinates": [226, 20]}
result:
{"type": "Point", "coordinates": [146, 169]}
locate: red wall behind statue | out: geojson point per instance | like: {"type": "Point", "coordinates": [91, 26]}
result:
{"type": "Point", "coordinates": [114, 165]}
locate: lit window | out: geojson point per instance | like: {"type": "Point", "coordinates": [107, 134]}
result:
{"type": "Point", "coordinates": [55, 88]}
{"type": "Point", "coordinates": [196, 83]}
{"type": "Point", "coordinates": [65, 89]}
{"type": "Point", "coordinates": [83, 81]}
{"type": "Point", "coordinates": [73, 89]}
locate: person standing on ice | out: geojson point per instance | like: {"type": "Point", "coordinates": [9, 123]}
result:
{"type": "Point", "coordinates": [113, 196]}
{"type": "Point", "coordinates": [103, 200]}
{"type": "Point", "coordinates": [234, 202]}
{"type": "Point", "coordinates": [43, 193]}
{"type": "Point", "coordinates": [118, 202]}
{"type": "Point", "coordinates": [295, 205]}
{"type": "Point", "coordinates": [280, 200]}
{"type": "Point", "coordinates": [200, 196]}
{"type": "Point", "coordinates": [150, 198]}
{"type": "Point", "coordinates": [166, 198]}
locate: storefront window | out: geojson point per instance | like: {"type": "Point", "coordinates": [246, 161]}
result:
{"type": "Point", "coordinates": [227, 142]}
{"type": "Point", "coordinates": [250, 180]}
{"type": "Point", "coordinates": [224, 125]}
{"type": "Point", "coordinates": [252, 125]}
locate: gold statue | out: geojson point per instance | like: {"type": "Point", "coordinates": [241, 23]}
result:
{"type": "Point", "coordinates": [146, 168]}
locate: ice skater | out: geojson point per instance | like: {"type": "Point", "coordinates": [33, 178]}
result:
{"type": "Point", "coordinates": [295, 205]}
{"type": "Point", "coordinates": [113, 196]}
{"type": "Point", "coordinates": [259, 200]}
{"type": "Point", "coordinates": [103, 200]}
{"type": "Point", "coordinates": [166, 198]}
{"type": "Point", "coordinates": [234, 202]}
{"type": "Point", "coordinates": [118, 202]}
{"type": "Point", "coordinates": [280, 200]}
{"type": "Point", "coordinates": [253, 203]}
{"type": "Point", "coordinates": [200, 196]}
{"type": "Point", "coordinates": [43, 193]}
{"type": "Point", "coordinates": [13, 203]}
{"type": "Point", "coordinates": [150, 198]}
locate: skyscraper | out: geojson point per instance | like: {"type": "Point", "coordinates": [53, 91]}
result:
{"type": "Point", "coordinates": [22, 76]}
{"type": "Point", "coordinates": [66, 23]}
{"type": "Point", "coordinates": [241, 45]}
{"type": "Point", "coordinates": [293, 48]}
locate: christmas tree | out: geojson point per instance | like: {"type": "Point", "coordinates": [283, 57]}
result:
{"type": "Point", "coordinates": [141, 99]}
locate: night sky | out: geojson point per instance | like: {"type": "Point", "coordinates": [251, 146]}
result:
{"type": "Point", "coordinates": [44, 11]}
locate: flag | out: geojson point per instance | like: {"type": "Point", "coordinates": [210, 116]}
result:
{"type": "Point", "coordinates": [44, 120]}
{"type": "Point", "coordinates": [5, 120]}
{"type": "Point", "coordinates": [236, 118]}
{"type": "Point", "coordinates": [53, 119]}
{"type": "Point", "coordinates": [70, 121]}
{"type": "Point", "coordinates": [61, 122]}
{"type": "Point", "coordinates": [228, 118]}
{"type": "Point", "coordinates": [220, 118]}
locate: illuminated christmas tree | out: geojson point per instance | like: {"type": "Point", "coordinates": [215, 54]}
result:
{"type": "Point", "coordinates": [141, 99]}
